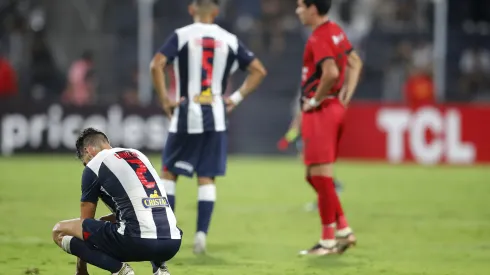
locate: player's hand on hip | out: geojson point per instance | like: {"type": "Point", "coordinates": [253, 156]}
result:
{"type": "Point", "coordinates": [308, 105]}
{"type": "Point", "coordinates": [230, 105]}
{"type": "Point", "coordinates": [170, 105]}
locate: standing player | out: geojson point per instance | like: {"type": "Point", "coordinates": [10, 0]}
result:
{"type": "Point", "coordinates": [204, 56]}
{"type": "Point", "coordinates": [293, 135]}
{"type": "Point", "coordinates": [330, 74]}
{"type": "Point", "coordinates": [145, 227]}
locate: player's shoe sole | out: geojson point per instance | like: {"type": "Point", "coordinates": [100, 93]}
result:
{"type": "Point", "coordinates": [319, 250]}
{"type": "Point", "coordinates": [162, 271]}
{"type": "Point", "coordinates": [200, 243]}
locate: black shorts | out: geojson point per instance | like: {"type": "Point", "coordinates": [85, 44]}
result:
{"type": "Point", "coordinates": [104, 237]}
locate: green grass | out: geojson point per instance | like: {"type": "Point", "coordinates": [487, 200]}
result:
{"type": "Point", "coordinates": [408, 219]}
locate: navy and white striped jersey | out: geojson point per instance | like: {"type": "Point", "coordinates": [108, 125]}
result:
{"type": "Point", "coordinates": [204, 56]}
{"type": "Point", "coordinates": [127, 183]}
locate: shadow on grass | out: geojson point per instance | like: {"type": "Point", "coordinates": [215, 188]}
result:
{"type": "Point", "coordinates": [200, 260]}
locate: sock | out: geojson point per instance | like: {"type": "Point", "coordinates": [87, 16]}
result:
{"type": "Point", "coordinates": [308, 179]}
{"type": "Point", "coordinates": [206, 198]}
{"type": "Point", "coordinates": [170, 190]}
{"type": "Point", "coordinates": [339, 214]}
{"type": "Point", "coordinates": [89, 254]}
{"type": "Point", "coordinates": [326, 205]}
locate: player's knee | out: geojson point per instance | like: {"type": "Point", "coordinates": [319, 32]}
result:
{"type": "Point", "coordinates": [167, 175]}
{"type": "Point", "coordinates": [205, 181]}
{"type": "Point", "coordinates": [325, 170]}
{"type": "Point", "coordinates": [58, 233]}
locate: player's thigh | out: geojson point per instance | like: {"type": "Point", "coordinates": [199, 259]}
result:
{"type": "Point", "coordinates": [213, 156]}
{"type": "Point", "coordinates": [181, 153]}
{"type": "Point", "coordinates": [320, 131]}
{"type": "Point", "coordinates": [68, 228]}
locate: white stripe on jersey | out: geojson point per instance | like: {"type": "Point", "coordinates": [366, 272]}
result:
{"type": "Point", "coordinates": [172, 221]}
{"type": "Point", "coordinates": [135, 190]}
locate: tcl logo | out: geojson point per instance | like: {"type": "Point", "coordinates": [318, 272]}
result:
{"type": "Point", "coordinates": [444, 127]}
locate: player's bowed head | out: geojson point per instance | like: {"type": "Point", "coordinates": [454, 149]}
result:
{"type": "Point", "coordinates": [89, 143]}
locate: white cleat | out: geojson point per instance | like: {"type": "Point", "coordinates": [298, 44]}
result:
{"type": "Point", "coordinates": [125, 270]}
{"type": "Point", "coordinates": [163, 270]}
{"type": "Point", "coordinates": [200, 243]}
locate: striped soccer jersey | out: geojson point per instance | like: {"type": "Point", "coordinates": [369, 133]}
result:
{"type": "Point", "coordinates": [204, 56]}
{"type": "Point", "coordinates": [127, 183]}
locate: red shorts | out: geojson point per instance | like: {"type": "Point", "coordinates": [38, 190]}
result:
{"type": "Point", "coordinates": [321, 130]}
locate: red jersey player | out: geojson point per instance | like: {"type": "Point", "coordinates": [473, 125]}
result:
{"type": "Point", "coordinates": [331, 70]}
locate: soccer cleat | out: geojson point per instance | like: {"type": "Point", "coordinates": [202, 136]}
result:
{"type": "Point", "coordinates": [320, 250]}
{"type": "Point", "coordinates": [200, 243]}
{"type": "Point", "coordinates": [346, 242]}
{"type": "Point", "coordinates": [163, 270]}
{"type": "Point", "coordinates": [125, 270]}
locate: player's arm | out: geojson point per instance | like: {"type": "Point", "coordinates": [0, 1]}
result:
{"type": "Point", "coordinates": [256, 74]}
{"type": "Point", "coordinates": [353, 73]}
{"type": "Point", "coordinates": [109, 218]}
{"type": "Point", "coordinates": [164, 56]}
{"type": "Point", "coordinates": [324, 57]}
{"type": "Point", "coordinates": [88, 204]}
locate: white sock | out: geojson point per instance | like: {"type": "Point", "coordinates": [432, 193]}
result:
{"type": "Point", "coordinates": [328, 243]}
{"type": "Point", "coordinates": [65, 243]}
{"type": "Point", "coordinates": [344, 232]}
{"type": "Point", "coordinates": [206, 192]}
{"type": "Point", "coordinates": [169, 186]}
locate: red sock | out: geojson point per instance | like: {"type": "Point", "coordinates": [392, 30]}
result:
{"type": "Point", "coordinates": [340, 217]}
{"type": "Point", "coordinates": [308, 179]}
{"type": "Point", "coordinates": [326, 205]}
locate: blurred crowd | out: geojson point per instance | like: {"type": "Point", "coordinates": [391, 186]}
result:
{"type": "Point", "coordinates": [85, 51]}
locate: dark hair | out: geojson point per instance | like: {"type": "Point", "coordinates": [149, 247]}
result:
{"type": "Point", "coordinates": [323, 6]}
{"type": "Point", "coordinates": [89, 136]}
{"type": "Point", "coordinates": [206, 2]}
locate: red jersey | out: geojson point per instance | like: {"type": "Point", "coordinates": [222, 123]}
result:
{"type": "Point", "coordinates": [327, 41]}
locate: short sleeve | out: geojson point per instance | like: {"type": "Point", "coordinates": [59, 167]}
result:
{"type": "Point", "coordinates": [90, 186]}
{"type": "Point", "coordinates": [170, 48]}
{"type": "Point", "coordinates": [321, 49]}
{"type": "Point", "coordinates": [244, 56]}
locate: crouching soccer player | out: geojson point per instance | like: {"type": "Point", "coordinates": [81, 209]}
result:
{"type": "Point", "coordinates": [204, 56]}
{"type": "Point", "coordinates": [144, 227]}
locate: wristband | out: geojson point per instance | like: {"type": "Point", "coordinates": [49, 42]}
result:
{"type": "Point", "coordinates": [291, 134]}
{"type": "Point", "coordinates": [236, 97]}
{"type": "Point", "coordinates": [313, 102]}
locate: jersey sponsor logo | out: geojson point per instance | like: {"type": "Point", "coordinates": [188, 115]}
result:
{"type": "Point", "coordinates": [184, 166]}
{"type": "Point", "coordinates": [338, 38]}
{"type": "Point", "coordinates": [155, 201]}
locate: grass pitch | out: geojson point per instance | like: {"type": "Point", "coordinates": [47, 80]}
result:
{"type": "Point", "coordinates": [408, 219]}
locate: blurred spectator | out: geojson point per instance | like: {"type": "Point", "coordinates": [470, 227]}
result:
{"type": "Point", "coordinates": [422, 57]}
{"type": "Point", "coordinates": [396, 72]}
{"type": "Point", "coordinates": [475, 71]}
{"type": "Point", "coordinates": [419, 90]}
{"type": "Point", "coordinates": [8, 78]}
{"type": "Point", "coordinates": [45, 77]}
{"type": "Point", "coordinates": [81, 81]}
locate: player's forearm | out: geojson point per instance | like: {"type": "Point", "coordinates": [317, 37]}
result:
{"type": "Point", "coordinates": [351, 84]}
{"type": "Point", "coordinates": [353, 74]}
{"type": "Point", "coordinates": [324, 87]}
{"type": "Point", "coordinates": [251, 83]}
{"type": "Point", "coordinates": [158, 78]}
